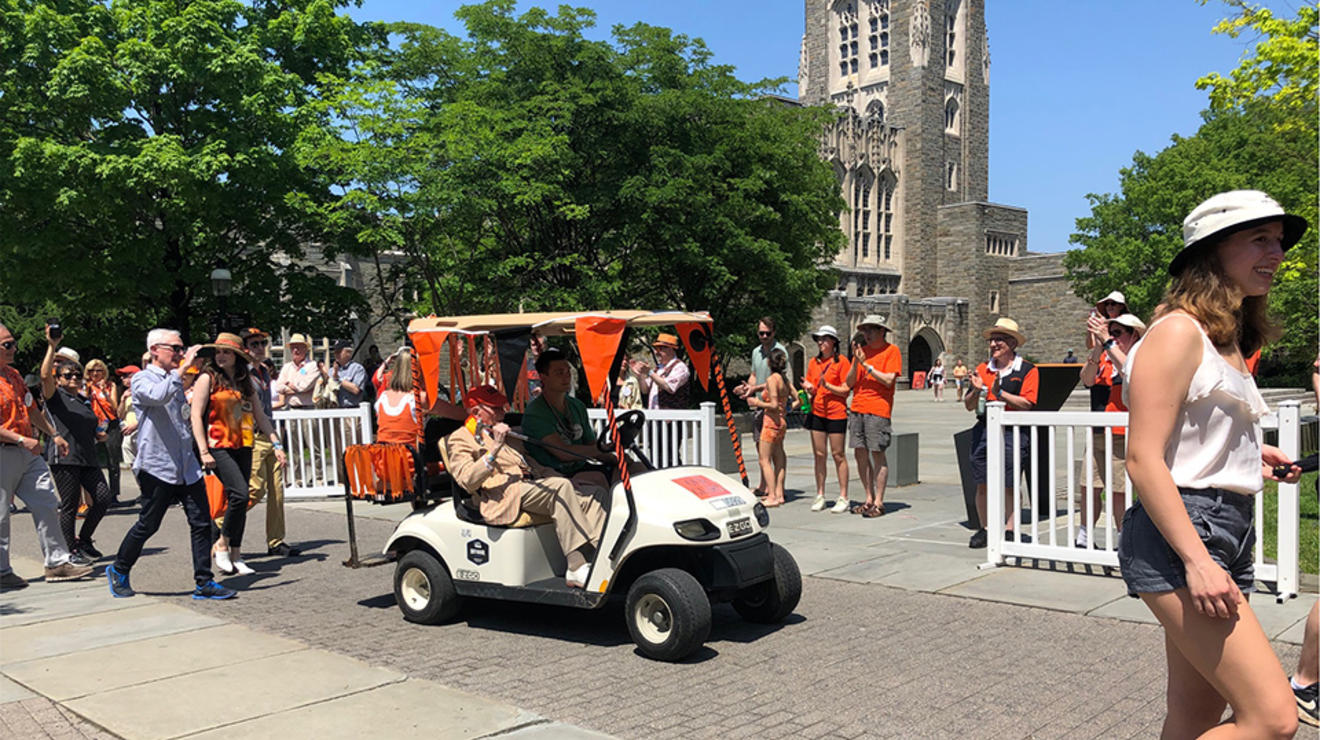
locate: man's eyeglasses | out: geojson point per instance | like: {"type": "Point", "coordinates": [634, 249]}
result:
{"type": "Point", "coordinates": [8, 345]}
{"type": "Point", "coordinates": [999, 338]}
{"type": "Point", "coordinates": [764, 333]}
{"type": "Point", "coordinates": [172, 347]}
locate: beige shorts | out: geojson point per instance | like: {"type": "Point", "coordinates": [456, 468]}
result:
{"type": "Point", "coordinates": [1118, 466]}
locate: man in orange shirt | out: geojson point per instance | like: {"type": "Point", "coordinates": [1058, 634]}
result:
{"type": "Point", "coordinates": [1009, 378]}
{"type": "Point", "coordinates": [875, 368]}
{"type": "Point", "coordinates": [25, 474]}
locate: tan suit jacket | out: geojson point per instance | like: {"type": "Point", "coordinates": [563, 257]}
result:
{"type": "Point", "coordinates": [496, 489]}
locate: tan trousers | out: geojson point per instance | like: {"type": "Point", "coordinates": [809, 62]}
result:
{"type": "Point", "coordinates": [578, 515]}
{"type": "Point", "coordinates": [267, 482]}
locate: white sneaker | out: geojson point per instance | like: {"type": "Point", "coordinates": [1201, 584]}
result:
{"type": "Point", "coordinates": [818, 504]}
{"type": "Point", "coordinates": [841, 506]}
{"type": "Point", "coordinates": [577, 578]}
{"type": "Point", "coordinates": [242, 568]}
{"type": "Point", "coordinates": [222, 563]}
{"type": "Point", "coordinates": [1083, 537]}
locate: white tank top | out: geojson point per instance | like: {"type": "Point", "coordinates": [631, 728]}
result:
{"type": "Point", "coordinates": [1217, 440]}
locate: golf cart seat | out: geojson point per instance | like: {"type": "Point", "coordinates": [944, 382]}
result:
{"type": "Point", "coordinates": [467, 509]}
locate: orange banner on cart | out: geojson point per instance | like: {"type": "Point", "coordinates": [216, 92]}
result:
{"type": "Point", "coordinates": [701, 486]}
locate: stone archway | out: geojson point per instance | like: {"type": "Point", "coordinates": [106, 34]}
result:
{"type": "Point", "coordinates": [797, 360]}
{"type": "Point", "coordinates": [923, 348]}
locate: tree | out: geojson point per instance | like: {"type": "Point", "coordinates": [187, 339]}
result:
{"type": "Point", "coordinates": [1130, 237]}
{"type": "Point", "coordinates": [143, 143]}
{"type": "Point", "coordinates": [528, 167]}
{"type": "Point", "coordinates": [1283, 67]}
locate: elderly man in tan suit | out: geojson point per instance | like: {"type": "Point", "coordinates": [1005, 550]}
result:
{"type": "Point", "coordinates": [505, 482]}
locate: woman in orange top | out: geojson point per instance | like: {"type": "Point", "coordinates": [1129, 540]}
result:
{"type": "Point", "coordinates": [104, 395]}
{"type": "Point", "coordinates": [398, 419]}
{"type": "Point", "coordinates": [826, 384]}
{"type": "Point", "coordinates": [225, 411]}
{"type": "Point", "coordinates": [774, 400]}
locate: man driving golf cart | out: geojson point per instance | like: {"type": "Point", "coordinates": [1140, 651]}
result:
{"type": "Point", "coordinates": [505, 482]}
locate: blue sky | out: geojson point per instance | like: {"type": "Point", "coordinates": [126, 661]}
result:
{"type": "Point", "coordinates": [1076, 86]}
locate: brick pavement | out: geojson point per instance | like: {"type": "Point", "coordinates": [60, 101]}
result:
{"type": "Point", "coordinates": [856, 660]}
{"type": "Point", "coordinates": [39, 718]}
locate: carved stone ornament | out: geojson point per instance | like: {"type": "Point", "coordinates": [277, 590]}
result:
{"type": "Point", "coordinates": [985, 56]}
{"type": "Point", "coordinates": [804, 66]}
{"type": "Point", "coordinates": [919, 34]}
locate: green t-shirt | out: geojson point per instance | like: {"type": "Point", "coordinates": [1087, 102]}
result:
{"type": "Point", "coordinates": [540, 421]}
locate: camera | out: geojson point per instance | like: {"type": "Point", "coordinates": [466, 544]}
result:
{"type": "Point", "coordinates": [56, 331]}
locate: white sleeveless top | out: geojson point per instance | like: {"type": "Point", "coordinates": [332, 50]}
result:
{"type": "Point", "coordinates": [1217, 440]}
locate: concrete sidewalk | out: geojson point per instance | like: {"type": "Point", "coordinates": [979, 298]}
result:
{"type": "Point", "coordinates": [75, 662]}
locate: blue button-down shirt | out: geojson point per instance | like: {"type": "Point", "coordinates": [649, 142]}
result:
{"type": "Point", "coordinates": [164, 436]}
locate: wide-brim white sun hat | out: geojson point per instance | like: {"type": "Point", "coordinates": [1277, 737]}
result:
{"type": "Point", "coordinates": [1225, 213]}
{"type": "Point", "coordinates": [826, 330]}
{"type": "Point", "coordinates": [1131, 322]}
{"type": "Point", "coordinates": [875, 320]}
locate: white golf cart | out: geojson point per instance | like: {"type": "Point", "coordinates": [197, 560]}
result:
{"type": "Point", "coordinates": [674, 540]}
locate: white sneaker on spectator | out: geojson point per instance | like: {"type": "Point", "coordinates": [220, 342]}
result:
{"type": "Point", "coordinates": [243, 568]}
{"type": "Point", "coordinates": [818, 504]}
{"type": "Point", "coordinates": [1083, 537]}
{"type": "Point", "coordinates": [841, 506]}
{"type": "Point", "coordinates": [222, 563]}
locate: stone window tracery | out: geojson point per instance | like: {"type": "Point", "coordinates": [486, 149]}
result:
{"type": "Point", "coordinates": [951, 175]}
{"type": "Point", "coordinates": [885, 218]}
{"type": "Point", "coordinates": [951, 116]}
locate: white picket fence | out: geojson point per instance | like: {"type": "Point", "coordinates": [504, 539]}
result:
{"type": "Point", "coordinates": [673, 437]}
{"type": "Point", "coordinates": [1052, 532]}
{"type": "Point", "coordinates": [315, 440]}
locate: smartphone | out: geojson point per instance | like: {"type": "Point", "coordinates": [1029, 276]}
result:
{"type": "Point", "coordinates": [56, 331]}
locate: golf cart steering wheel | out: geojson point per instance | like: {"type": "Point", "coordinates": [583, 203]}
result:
{"type": "Point", "coordinates": [630, 426]}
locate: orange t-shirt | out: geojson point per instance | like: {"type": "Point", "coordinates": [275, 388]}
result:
{"type": "Point", "coordinates": [229, 420]}
{"type": "Point", "coordinates": [870, 396]}
{"type": "Point", "coordinates": [397, 420]}
{"type": "Point", "coordinates": [1023, 381]}
{"type": "Point", "coordinates": [1115, 402]}
{"type": "Point", "coordinates": [825, 404]}
{"type": "Point", "coordinates": [17, 406]}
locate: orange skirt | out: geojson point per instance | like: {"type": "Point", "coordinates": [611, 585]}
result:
{"type": "Point", "coordinates": [773, 428]}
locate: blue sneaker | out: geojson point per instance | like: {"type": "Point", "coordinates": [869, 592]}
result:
{"type": "Point", "coordinates": [213, 590]}
{"type": "Point", "coordinates": [119, 587]}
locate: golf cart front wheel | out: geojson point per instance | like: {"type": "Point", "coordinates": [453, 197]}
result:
{"type": "Point", "coordinates": [668, 614]}
{"type": "Point", "coordinates": [770, 602]}
{"type": "Point", "coordinates": [423, 589]}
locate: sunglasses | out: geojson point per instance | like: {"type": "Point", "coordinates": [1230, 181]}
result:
{"type": "Point", "coordinates": [172, 347]}
{"type": "Point", "coordinates": [999, 338]}
{"type": "Point", "coordinates": [71, 376]}
{"type": "Point", "coordinates": [1118, 329]}
{"type": "Point", "coordinates": [764, 333]}
{"type": "Point", "coordinates": [8, 345]}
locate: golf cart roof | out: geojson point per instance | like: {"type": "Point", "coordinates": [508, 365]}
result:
{"type": "Point", "coordinates": [548, 323]}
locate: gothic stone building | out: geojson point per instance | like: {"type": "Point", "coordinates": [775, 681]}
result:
{"type": "Point", "coordinates": [924, 248]}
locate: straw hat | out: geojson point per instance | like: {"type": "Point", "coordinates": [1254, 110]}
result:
{"type": "Point", "coordinates": [299, 339]}
{"type": "Point", "coordinates": [826, 330]}
{"type": "Point", "coordinates": [1005, 325]}
{"type": "Point", "coordinates": [874, 320]}
{"type": "Point", "coordinates": [225, 340]}
{"type": "Point", "coordinates": [1225, 213]}
{"type": "Point", "coordinates": [665, 340]}
{"type": "Point", "coordinates": [69, 355]}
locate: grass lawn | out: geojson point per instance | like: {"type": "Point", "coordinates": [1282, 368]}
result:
{"type": "Point", "coordinates": [1309, 527]}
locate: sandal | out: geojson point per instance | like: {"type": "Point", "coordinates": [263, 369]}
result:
{"type": "Point", "coordinates": [873, 511]}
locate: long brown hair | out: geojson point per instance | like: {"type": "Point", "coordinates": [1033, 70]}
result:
{"type": "Point", "coordinates": [241, 382]}
{"type": "Point", "coordinates": [1204, 291]}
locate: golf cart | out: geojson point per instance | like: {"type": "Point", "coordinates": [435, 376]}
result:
{"type": "Point", "coordinates": [674, 540]}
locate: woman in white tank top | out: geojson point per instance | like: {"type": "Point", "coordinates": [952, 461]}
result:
{"type": "Point", "coordinates": [1196, 459]}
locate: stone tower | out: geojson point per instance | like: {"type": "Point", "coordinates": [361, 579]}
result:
{"type": "Point", "coordinates": [911, 151]}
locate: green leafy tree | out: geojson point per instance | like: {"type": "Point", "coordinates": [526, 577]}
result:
{"type": "Point", "coordinates": [143, 143]}
{"type": "Point", "coordinates": [528, 167]}
{"type": "Point", "coordinates": [1283, 66]}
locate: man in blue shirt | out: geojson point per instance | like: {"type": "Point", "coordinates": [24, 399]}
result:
{"type": "Point", "coordinates": [166, 467]}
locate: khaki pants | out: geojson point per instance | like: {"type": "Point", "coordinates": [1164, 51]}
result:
{"type": "Point", "coordinates": [578, 515]}
{"type": "Point", "coordinates": [267, 478]}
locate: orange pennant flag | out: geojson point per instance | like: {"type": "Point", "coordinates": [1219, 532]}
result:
{"type": "Point", "coordinates": [696, 338]}
{"type": "Point", "coordinates": [598, 341]}
{"type": "Point", "coordinates": [427, 345]}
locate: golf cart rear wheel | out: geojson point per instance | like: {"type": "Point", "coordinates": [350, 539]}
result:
{"type": "Point", "coordinates": [772, 601]}
{"type": "Point", "coordinates": [668, 614]}
{"type": "Point", "coordinates": [423, 589]}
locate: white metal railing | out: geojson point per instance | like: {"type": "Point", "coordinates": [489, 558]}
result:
{"type": "Point", "coordinates": [1052, 532]}
{"type": "Point", "coordinates": [315, 440]}
{"type": "Point", "coordinates": [673, 436]}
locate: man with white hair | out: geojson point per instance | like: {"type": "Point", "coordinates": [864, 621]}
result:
{"type": "Point", "coordinates": [25, 474]}
{"type": "Point", "coordinates": [165, 466]}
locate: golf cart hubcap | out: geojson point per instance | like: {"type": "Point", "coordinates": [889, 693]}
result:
{"type": "Point", "coordinates": [416, 589]}
{"type": "Point", "coordinates": [653, 618]}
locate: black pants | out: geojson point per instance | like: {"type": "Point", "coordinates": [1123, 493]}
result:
{"type": "Point", "coordinates": [157, 495]}
{"type": "Point", "coordinates": [70, 480]}
{"type": "Point", "coordinates": [113, 449]}
{"type": "Point", "coordinates": [234, 466]}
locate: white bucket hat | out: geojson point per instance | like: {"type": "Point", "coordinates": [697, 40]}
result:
{"type": "Point", "coordinates": [826, 330]}
{"type": "Point", "coordinates": [1114, 297]}
{"type": "Point", "coordinates": [874, 320]}
{"type": "Point", "coordinates": [1131, 322]}
{"type": "Point", "coordinates": [1225, 213]}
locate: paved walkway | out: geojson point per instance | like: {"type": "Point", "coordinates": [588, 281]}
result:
{"type": "Point", "coordinates": [899, 634]}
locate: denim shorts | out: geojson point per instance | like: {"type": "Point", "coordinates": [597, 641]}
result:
{"type": "Point", "coordinates": [1225, 521]}
{"type": "Point", "coordinates": [979, 449]}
